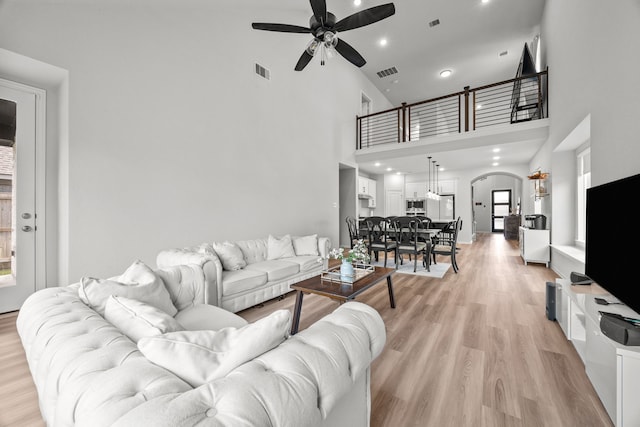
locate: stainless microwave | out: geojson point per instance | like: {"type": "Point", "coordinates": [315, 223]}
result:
{"type": "Point", "coordinates": [415, 205]}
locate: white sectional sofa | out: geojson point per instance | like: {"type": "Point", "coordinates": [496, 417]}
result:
{"type": "Point", "coordinates": [267, 267]}
{"type": "Point", "coordinates": [88, 372]}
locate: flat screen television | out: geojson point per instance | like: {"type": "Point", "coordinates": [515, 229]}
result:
{"type": "Point", "coordinates": [612, 239]}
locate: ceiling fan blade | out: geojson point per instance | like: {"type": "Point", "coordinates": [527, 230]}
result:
{"type": "Point", "coordinates": [304, 60]}
{"type": "Point", "coordinates": [282, 28]}
{"type": "Point", "coordinates": [365, 17]}
{"type": "Point", "coordinates": [319, 10]}
{"type": "Point", "coordinates": [350, 53]}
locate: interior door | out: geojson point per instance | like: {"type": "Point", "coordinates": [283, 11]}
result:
{"type": "Point", "coordinates": [17, 259]}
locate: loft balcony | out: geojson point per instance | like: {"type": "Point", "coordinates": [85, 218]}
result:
{"type": "Point", "coordinates": [504, 112]}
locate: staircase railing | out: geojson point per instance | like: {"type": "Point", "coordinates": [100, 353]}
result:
{"type": "Point", "coordinates": [507, 102]}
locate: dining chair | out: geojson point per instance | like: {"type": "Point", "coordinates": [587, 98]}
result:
{"type": "Point", "coordinates": [381, 238]}
{"type": "Point", "coordinates": [445, 243]}
{"type": "Point", "coordinates": [354, 232]}
{"type": "Point", "coordinates": [411, 241]}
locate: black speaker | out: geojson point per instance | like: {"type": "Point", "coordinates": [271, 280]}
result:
{"type": "Point", "coordinates": [551, 301]}
{"type": "Point", "coordinates": [618, 329]}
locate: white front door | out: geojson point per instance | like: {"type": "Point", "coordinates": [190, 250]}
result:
{"type": "Point", "coordinates": [18, 199]}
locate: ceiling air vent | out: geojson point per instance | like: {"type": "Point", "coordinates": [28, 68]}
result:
{"type": "Point", "coordinates": [263, 72]}
{"type": "Point", "coordinates": [434, 23]}
{"type": "Point", "coordinates": [387, 72]}
{"type": "Point", "coordinates": [503, 53]}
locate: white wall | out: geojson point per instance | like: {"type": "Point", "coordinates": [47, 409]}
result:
{"type": "Point", "coordinates": [173, 140]}
{"type": "Point", "coordinates": [589, 47]}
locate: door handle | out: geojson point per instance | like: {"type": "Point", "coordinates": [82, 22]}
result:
{"type": "Point", "coordinates": [27, 228]}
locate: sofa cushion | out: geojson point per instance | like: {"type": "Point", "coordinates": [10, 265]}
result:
{"type": "Point", "coordinates": [137, 319]}
{"type": "Point", "coordinates": [275, 269]}
{"type": "Point", "coordinates": [138, 282]}
{"type": "Point", "coordinates": [305, 245]}
{"type": "Point", "coordinates": [306, 263]}
{"type": "Point", "coordinates": [199, 357]}
{"type": "Point", "coordinates": [239, 281]}
{"type": "Point", "coordinates": [230, 255]}
{"type": "Point", "coordinates": [208, 317]}
{"type": "Point", "coordinates": [279, 247]}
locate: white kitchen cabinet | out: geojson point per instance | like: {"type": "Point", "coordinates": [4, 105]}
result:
{"type": "Point", "coordinates": [447, 187]}
{"type": "Point", "coordinates": [372, 193]}
{"type": "Point", "coordinates": [363, 186]}
{"type": "Point", "coordinates": [415, 190]}
{"type": "Point", "coordinates": [534, 245]}
{"type": "Point", "coordinates": [367, 190]}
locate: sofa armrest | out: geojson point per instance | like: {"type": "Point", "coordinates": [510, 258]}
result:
{"type": "Point", "coordinates": [298, 383]}
{"type": "Point", "coordinates": [210, 264]}
{"type": "Point", "coordinates": [324, 246]}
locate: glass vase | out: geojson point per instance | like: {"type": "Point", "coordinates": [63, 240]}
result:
{"type": "Point", "coordinates": [347, 273]}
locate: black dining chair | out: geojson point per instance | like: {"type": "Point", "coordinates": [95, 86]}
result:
{"type": "Point", "coordinates": [410, 241]}
{"type": "Point", "coordinates": [445, 243]}
{"type": "Point", "coordinates": [354, 232]}
{"type": "Point", "coordinates": [382, 238]}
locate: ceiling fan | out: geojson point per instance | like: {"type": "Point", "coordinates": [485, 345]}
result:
{"type": "Point", "coordinates": [325, 29]}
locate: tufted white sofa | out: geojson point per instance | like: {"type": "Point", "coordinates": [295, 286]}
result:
{"type": "Point", "coordinates": [88, 373]}
{"type": "Point", "coordinates": [261, 280]}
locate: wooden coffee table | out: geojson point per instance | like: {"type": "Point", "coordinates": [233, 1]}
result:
{"type": "Point", "coordinates": [339, 291]}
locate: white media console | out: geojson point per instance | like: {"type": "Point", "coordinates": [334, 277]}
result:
{"type": "Point", "coordinates": [612, 368]}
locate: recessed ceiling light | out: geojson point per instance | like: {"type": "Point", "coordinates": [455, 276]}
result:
{"type": "Point", "coordinates": [376, 164]}
{"type": "Point", "coordinates": [389, 169]}
{"type": "Point", "coordinates": [495, 164]}
{"type": "Point", "coordinates": [496, 157]}
{"type": "Point", "coordinates": [398, 173]}
{"type": "Point", "coordinates": [395, 82]}
{"type": "Point", "coordinates": [387, 90]}
{"type": "Point", "coordinates": [383, 42]}
{"type": "Point", "coordinates": [485, 1]}
{"type": "Point", "coordinates": [357, 2]}
{"type": "Point", "coordinates": [445, 73]}
{"type": "Point", "coordinates": [496, 150]}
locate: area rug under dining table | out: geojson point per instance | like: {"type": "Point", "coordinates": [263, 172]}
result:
{"type": "Point", "coordinates": [437, 270]}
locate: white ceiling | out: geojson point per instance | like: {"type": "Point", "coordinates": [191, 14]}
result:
{"type": "Point", "coordinates": [468, 41]}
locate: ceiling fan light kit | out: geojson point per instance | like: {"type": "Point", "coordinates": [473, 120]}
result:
{"type": "Point", "coordinates": [325, 29]}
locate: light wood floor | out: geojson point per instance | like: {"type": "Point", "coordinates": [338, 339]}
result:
{"type": "Point", "coordinates": [471, 349]}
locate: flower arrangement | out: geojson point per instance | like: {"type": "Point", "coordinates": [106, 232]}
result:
{"type": "Point", "coordinates": [359, 253]}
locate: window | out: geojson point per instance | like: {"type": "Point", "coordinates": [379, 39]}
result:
{"type": "Point", "coordinates": [583, 170]}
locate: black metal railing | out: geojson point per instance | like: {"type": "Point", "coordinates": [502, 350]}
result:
{"type": "Point", "coordinates": [507, 102]}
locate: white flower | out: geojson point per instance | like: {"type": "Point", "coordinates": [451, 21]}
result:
{"type": "Point", "coordinates": [358, 253]}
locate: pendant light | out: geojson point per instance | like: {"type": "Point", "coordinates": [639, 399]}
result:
{"type": "Point", "coordinates": [429, 177]}
{"type": "Point", "coordinates": [433, 195]}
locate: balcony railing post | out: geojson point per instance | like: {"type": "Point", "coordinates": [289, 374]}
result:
{"type": "Point", "coordinates": [466, 108]}
{"type": "Point", "coordinates": [403, 125]}
{"type": "Point", "coordinates": [358, 133]}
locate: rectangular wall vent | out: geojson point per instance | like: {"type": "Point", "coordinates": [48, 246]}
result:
{"type": "Point", "coordinates": [434, 23]}
{"type": "Point", "coordinates": [387, 72]}
{"type": "Point", "coordinates": [263, 72]}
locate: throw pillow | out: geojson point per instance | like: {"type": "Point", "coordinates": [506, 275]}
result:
{"type": "Point", "coordinates": [230, 255]}
{"type": "Point", "coordinates": [199, 357]}
{"type": "Point", "coordinates": [138, 282]}
{"type": "Point", "coordinates": [280, 247]}
{"type": "Point", "coordinates": [137, 319]}
{"type": "Point", "coordinates": [306, 245]}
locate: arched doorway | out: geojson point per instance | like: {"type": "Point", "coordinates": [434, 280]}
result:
{"type": "Point", "coordinates": [487, 209]}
